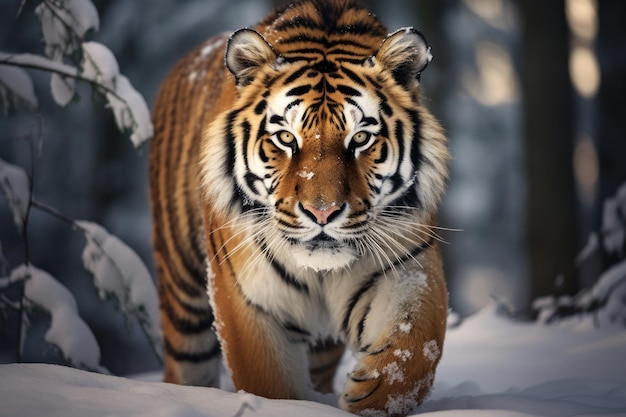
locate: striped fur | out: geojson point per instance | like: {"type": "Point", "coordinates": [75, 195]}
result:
{"type": "Point", "coordinates": [295, 178]}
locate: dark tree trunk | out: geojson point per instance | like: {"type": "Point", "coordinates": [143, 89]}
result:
{"type": "Point", "coordinates": [547, 96]}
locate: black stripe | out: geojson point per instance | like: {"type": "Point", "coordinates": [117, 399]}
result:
{"type": "Point", "coordinates": [384, 153]}
{"type": "Point", "coordinates": [292, 327]}
{"type": "Point", "coordinates": [348, 91]}
{"type": "Point", "coordinates": [356, 29]}
{"type": "Point", "coordinates": [344, 52]}
{"type": "Point", "coordinates": [292, 104]}
{"type": "Point", "coordinates": [287, 278]}
{"type": "Point", "coordinates": [190, 289]}
{"type": "Point", "coordinates": [289, 225]}
{"type": "Point", "coordinates": [189, 308]}
{"type": "Point", "coordinates": [355, 61]}
{"type": "Point", "coordinates": [355, 299]}
{"type": "Point", "coordinates": [374, 83]}
{"type": "Point", "coordinates": [303, 51]}
{"type": "Point", "coordinates": [184, 325]}
{"type": "Point", "coordinates": [324, 66]}
{"type": "Point", "coordinates": [346, 42]}
{"type": "Point", "coordinates": [396, 178]}
{"type": "Point", "coordinates": [296, 74]}
{"type": "Point", "coordinates": [416, 151]}
{"type": "Point", "coordinates": [260, 107]}
{"type": "Point", "coordinates": [361, 325]}
{"type": "Point", "coordinates": [298, 91]}
{"type": "Point", "coordinates": [369, 121]}
{"type": "Point", "coordinates": [194, 223]}
{"type": "Point", "coordinates": [195, 357]}
{"type": "Point", "coordinates": [277, 119]}
{"type": "Point", "coordinates": [187, 264]}
{"type": "Point", "coordinates": [298, 38]}
{"type": "Point", "coordinates": [280, 270]}
{"type": "Point", "coordinates": [383, 104]}
{"type": "Point", "coordinates": [297, 21]}
{"type": "Point", "coordinates": [229, 137]}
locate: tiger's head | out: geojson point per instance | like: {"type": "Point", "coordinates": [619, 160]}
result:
{"type": "Point", "coordinates": [327, 152]}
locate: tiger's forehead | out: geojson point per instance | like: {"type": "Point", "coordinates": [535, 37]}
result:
{"type": "Point", "coordinates": [346, 31]}
{"type": "Point", "coordinates": [323, 96]}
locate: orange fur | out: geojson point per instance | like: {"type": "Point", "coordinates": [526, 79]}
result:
{"type": "Point", "coordinates": [313, 241]}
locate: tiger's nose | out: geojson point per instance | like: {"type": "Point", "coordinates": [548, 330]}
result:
{"type": "Point", "coordinates": [322, 215]}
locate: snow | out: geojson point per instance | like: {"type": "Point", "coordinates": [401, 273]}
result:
{"type": "Point", "coordinates": [101, 69]}
{"type": "Point", "coordinates": [491, 366]}
{"type": "Point", "coordinates": [118, 271]}
{"type": "Point", "coordinates": [131, 113]}
{"type": "Point", "coordinates": [63, 89]}
{"type": "Point", "coordinates": [15, 186]}
{"type": "Point", "coordinates": [62, 22]}
{"type": "Point", "coordinates": [431, 351]}
{"type": "Point", "coordinates": [64, 26]}
{"type": "Point", "coordinates": [100, 64]}
{"type": "Point", "coordinates": [305, 174]}
{"type": "Point", "coordinates": [613, 219]}
{"type": "Point", "coordinates": [129, 107]}
{"type": "Point", "coordinates": [39, 62]}
{"type": "Point", "coordinates": [393, 372]}
{"type": "Point", "coordinates": [16, 81]}
{"type": "Point", "coordinates": [405, 327]}
{"type": "Point", "coordinates": [67, 330]}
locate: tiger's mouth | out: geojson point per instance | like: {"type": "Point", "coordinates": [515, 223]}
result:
{"type": "Point", "coordinates": [323, 242]}
{"type": "Point", "coordinates": [322, 252]}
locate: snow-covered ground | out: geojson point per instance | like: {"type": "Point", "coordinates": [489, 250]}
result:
{"type": "Point", "coordinates": [492, 366]}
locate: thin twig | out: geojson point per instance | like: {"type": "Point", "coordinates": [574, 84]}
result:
{"type": "Point", "coordinates": [22, 318]}
{"type": "Point", "coordinates": [75, 76]}
{"type": "Point", "coordinates": [53, 212]}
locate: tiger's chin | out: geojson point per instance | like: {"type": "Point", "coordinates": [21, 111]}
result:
{"type": "Point", "coordinates": [323, 258]}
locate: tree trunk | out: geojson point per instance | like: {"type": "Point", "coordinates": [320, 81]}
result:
{"type": "Point", "coordinates": [547, 96]}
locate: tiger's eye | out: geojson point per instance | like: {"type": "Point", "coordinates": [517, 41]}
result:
{"type": "Point", "coordinates": [286, 138]}
{"type": "Point", "coordinates": [360, 138]}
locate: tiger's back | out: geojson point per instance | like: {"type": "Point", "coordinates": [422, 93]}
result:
{"type": "Point", "coordinates": [188, 100]}
{"type": "Point", "coordinates": [295, 175]}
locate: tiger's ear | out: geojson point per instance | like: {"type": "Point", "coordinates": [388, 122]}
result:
{"type": "Point", "coordinates": [246, 51]}
{"type": "Point", "coordinates": [406, 54]}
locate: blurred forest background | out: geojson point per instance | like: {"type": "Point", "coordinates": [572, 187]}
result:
{"type": "Point", "coordinates": [532, 94]}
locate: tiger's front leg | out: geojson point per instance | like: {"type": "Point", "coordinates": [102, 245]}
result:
{"type": "Point", "coordinates": [397, 333]}
{"type": "Point", "coordinates": [258, 350]}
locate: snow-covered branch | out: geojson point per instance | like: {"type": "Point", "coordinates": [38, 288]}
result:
{"type": "Point", "coordinates": [70, 57]}
{"type": "Point", "coordinates": [67, 330]}
{"type": "Point", "coordinates": [119, 272]}
{"type": "Point", "coordinates": [15, 185]}
{"type": "Point", "coordinates": [606, 299]}
{"type": "Point", "coordinates": [64, 25]}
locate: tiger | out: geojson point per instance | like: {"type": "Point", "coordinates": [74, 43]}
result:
{"type": "Point", "coordinates": [295, 178]}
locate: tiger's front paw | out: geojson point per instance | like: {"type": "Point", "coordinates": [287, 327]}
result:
{"type": "Point", "coordinates": [392, 380]}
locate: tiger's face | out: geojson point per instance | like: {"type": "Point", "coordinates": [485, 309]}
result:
{"type": "Point", "coordinates": [332, 159]}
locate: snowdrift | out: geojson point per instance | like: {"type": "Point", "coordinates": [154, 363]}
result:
{"type": "Point", "coordinates": [492, 366]}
